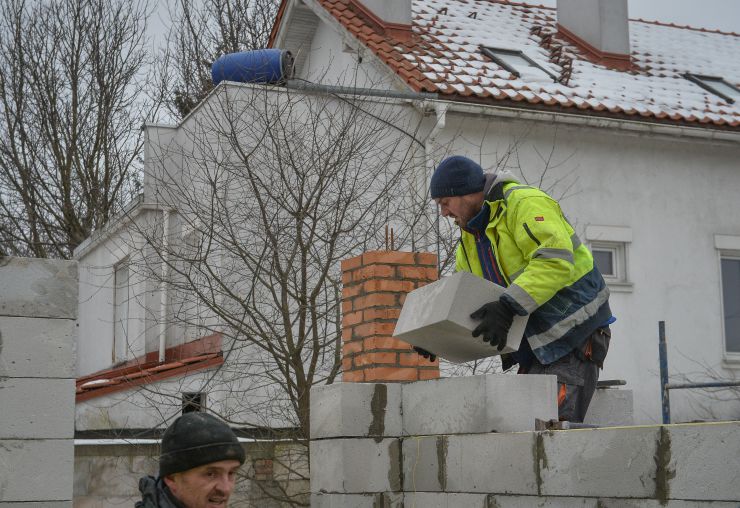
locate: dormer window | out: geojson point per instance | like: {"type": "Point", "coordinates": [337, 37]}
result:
{"type": "Point", "coordinates": [517, 63]}
{"type": "Point", "coordinates": [716, 85]}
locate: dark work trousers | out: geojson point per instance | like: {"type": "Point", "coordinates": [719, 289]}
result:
{"type": "Point", "coordinates": [577, 373]}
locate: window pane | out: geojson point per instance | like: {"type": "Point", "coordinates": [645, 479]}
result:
{"type": "Point", "coordinates": [731, 303]}
{"type": "Point", "coordinates": [604, 260]}
{"type": "Point", "coordinates": [722, 87]}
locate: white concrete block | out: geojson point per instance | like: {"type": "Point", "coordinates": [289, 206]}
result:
{"type": "Point", "coordinates": [436, 317]}
{"type": "Point", "coordinates": [611, 407]}
{"type": "Point", "coordinates": [354, 466]}
{"type": "Point", "coordinates": [702, 461]}
{"type": "Point", "coordinates": [38, 288]}
{"type": "Point", "coordinates": [36, 470]}
{"type": "Point", "coordinates": [610, 462]}
{"type": "Point", "coordinates": [475, 463]}
{"type": "Point", "coordinates": [382, 500]}
{"type": "Point", "coordinates": [478, 404]}
{"type": "Point", "coordinates": [504, 501]}
{"type": "Point", "coordinates": [444, 500]}
{"type": "Point", "coordinates": [356, 410]}
{"type": "Point", "coordinates": [34, 408]}
{"type": "Point", "coordinates": [37, 347]}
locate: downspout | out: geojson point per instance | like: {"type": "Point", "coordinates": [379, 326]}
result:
{"type": "Point", "coordinates": [166, 214]}
{"type": "Point", "coordinates": [440, 109]}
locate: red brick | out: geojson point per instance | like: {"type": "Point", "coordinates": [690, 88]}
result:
{"type": "Point", "coordinates": [391, 374]}
{"type": "Point", "coordinates": [385, 343]}
{"type": "Point", "coordinates": [346, 334]}
{"type": "Point", "coordinates": [374, 328]}
{"type": "Point", "coordinates": [417, 273]}
{"type": "Point", "coordinates": [375, 300]}
{"type": "Point", "coordinates": [346, 278]}
{"type": "Point", "coordinates": [389, 257]}
{"type": "Point", "coordinates": [426, 258]}
{"type": "Point", "coordinates": [373, 272]}
{"type": "Point", "coordinates": [364, 359]}
{"type": "Point", "coordinates": [351, 318]}
{"type": "Point", "coordinates": [351, 263]}
{"type": "Point", "coordinates": [347, 306]}
{"type": "Point", "coordinates": [381, 314]}
{"type": "Point", "coordinates": [353, 376]}
{"type": "Point", "coordinates": [399, 286]}
{"type": "Point", "coordinates": [347, 363]}
{"type": "Point", "coordinates": [351, 291]}
{"type": "Point", "coordinates": [429, 373]}
{"type": "Point", "coordinates": [354, 346]}
{"type": "Point", "coordinates": [410, 359]}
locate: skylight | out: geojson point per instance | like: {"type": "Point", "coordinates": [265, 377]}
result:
{"type": "Point", "coordinates": [717, 86]}
{"type": "Point", "coordinates": [517, 63]}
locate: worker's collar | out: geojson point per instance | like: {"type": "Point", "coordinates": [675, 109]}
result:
{"type": "Point", "coordinates": [479, 223]}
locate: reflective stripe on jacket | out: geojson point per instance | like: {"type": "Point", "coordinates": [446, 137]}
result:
{"type": "Point", "coordinates": [550, 275]}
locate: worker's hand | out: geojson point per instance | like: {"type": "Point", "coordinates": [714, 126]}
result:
{"type": "Point", "coordinates": [496, 318]}
{"type": "Point", "coordinates": [425, 353]}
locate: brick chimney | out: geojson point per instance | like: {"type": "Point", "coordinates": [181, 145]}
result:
{"type": "Point", "coordinates": [393, 15]}
{"type": "Point", "coordinates": [375, 286]}
{"type": "Point", "coordinates": [599, 27]}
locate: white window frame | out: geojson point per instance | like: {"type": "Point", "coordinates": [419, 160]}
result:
{"type": "Point", "coordinates": [615, 239]}
{"type": "Point", "coordinates": [728, 247]}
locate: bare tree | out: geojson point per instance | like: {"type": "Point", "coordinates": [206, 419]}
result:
{"type": "Point", "coordinates": [272, 189]}
{"type": "Point", "coordinates": [72, 99]}
{"type": "Point", "coordinates": [204, 30]}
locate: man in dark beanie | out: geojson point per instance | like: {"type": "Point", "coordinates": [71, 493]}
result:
{"type": "Point", "coordinates": [197, 466]}
{"type": "Point", "coordinates": [518, 237]}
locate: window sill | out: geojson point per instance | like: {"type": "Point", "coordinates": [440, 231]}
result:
{"type": "Point", "coordinates": [619, 286]}
{"type": "Point", "coordinates": [731, 360]}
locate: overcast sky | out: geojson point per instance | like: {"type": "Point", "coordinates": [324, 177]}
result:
{"type": "Point", "coordinates": [718, 14]}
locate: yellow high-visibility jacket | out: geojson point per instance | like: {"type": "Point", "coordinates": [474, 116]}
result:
{"type": "Point", "coordinates": [549, 274]}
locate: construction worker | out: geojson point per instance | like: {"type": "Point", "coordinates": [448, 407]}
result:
{"type": "Point", "coordinates": [517, 237]}
{"type": "Point", "coordinates": [199, 459]}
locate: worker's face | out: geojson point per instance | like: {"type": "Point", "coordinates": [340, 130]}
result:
{"type": "Point", "coordinates": [207, 486]}
{"type": "Point", "coordinates": [460, 208]}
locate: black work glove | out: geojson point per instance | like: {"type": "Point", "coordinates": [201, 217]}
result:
{"type": "Point", "coordinates": [425, 353]}
{"type": "Point", "coordinates": [496, 318]}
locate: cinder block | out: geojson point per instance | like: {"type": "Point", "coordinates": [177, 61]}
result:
{"type": "Point", "coordinates": [475, 463]}
{"type": "Point", "coordinates": [436, 317]}
{"type": "Point", "coordinates": [35, 408]}
{"type": "Point", "coordinates": [610, 462]}
{"type": "Point", "coordinates": [36, 470]}
{"type": "Point", "coordinates": [356, 410]}
{"type": "Point", "coordinates": [381, 500]}
{"type": "Point", "coordinates": [478, 404]}
{"type": "Point", "coordinates": [354, 466]}
{"type": "Point", "coordinates": [702, 461]}
{"type": "Point", "coordinates": [444, 500]}
{"type": "Point", "coordinates": [38, 288]}
{"type": "Point", "coordinates": [611, 407]}
{"type": "Point", "coordinates": [37, 347]}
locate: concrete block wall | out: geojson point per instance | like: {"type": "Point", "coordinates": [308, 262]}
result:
{"type": "Point", "coordinates": [38, 332]}
{"type": "Point", "coordinates": [455, 461]}
{"type": "Point", "coordinates": [375, 285]}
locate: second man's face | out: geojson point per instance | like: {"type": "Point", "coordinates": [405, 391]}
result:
{"type": "Point", "coordinates": [460, 208]}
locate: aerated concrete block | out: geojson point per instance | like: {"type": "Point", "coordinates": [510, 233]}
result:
{"type": "Point", "coordinates": [38, 288]}
{"type": "Point", "coordinates": [355, 466]}
{"type": "Point", "coordinates": [436, 317]}
{"type": "Point", "coordinates": [474, 463]}
{"type": "Point", "coordinates": [383, 500]}
{"type": "Point", "coordinates": [356, 410]}
{"type": "Point", "coordinates": [33, 347]}
{"type": "Point", "coordinates": [478, 404]}
{"type": "Point", "coordinates": [36, 470]}
{"type": "Point", "coordinates": [37, 408]}
{"type": "Point", "coordinates": [443, 500]}
{"type": "Point", "coordinates": [503, 501]}
{"type": "Point", "coordinates": [610, 462]}
{"type": "Point", "coordinates": [610, 407]}
{"type": "Point", "coordinates": [702, 461]}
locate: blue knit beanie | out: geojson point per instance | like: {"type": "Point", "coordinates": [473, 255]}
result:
{"type": "Point", "coordinates": [456, 176]}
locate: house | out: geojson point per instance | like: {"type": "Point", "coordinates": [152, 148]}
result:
{"type": "Point", "coordinates": [634, 125]}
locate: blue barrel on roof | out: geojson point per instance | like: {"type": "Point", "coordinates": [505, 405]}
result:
{"type": "Point", "coordinates": [257, 66]}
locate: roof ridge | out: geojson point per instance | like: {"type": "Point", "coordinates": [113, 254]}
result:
{"type": "Point", "coordinates": [684, 27]}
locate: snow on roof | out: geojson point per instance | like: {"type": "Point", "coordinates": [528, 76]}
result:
{"type": "Point", "coordinates": [444, 56]}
